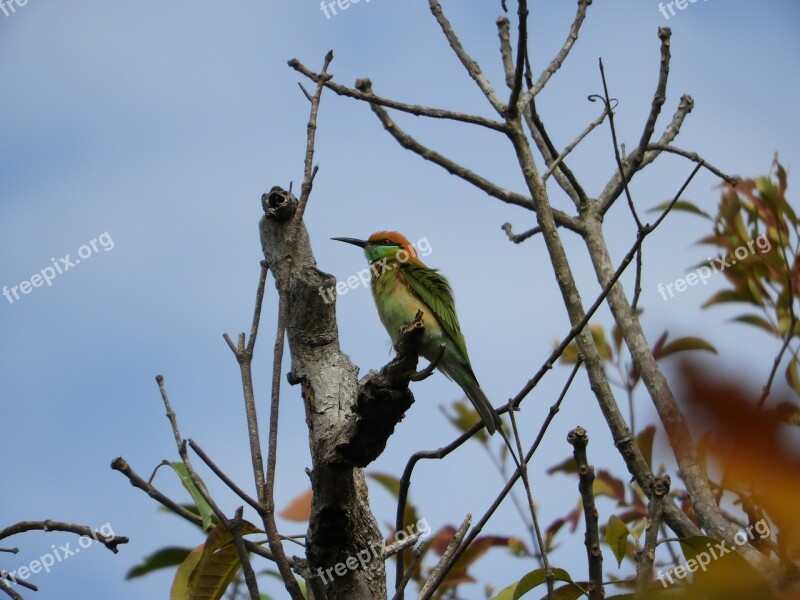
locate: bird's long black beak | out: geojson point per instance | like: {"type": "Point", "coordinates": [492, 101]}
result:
{"type": "Point", "coordinates": [355, 242]}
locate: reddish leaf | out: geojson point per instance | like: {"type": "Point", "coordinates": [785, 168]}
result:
{"type": "Point", "coordinates": [298, 509]}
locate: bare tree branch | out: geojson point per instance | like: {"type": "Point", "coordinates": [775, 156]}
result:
{"type": "Point", "coordinates": [109, 541]}
{"type": "Point", "coordinates": [223, 477]}
{"type": "Point", "coordinates": [244, 356]}
{"type": "Point", "coordinates": [579, 440]}
{"type": "Point", "coordinates": [416, 557]}
{"type": "Point", "coordinates": [523, 471]}
{"type": "Point", "coordinates": [658, 489]}
{"type": "Point", "coordinates": [571, 146]}
{"type": "Point", "coordinates": [9, 592]}
{"type": "Point", "coordinates": [21, 582]}
{"type": "Point", "coordinates": [635, 161]}
{"type": "Point", "coordinates": [559, 58]}
{"type": "Point", "coordinates": [469, 63]}
{"type": "Point", "coordinates": [522, 45]}
{"type": "Point", "coordinates": [694, 157]}
{"type": "Point", "coordinates": [414, 109]}
{"type": "Point", "coordinates": [443, 566]}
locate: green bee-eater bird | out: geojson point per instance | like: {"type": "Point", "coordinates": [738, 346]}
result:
{"type": "Point", "coordinates": [403, 285]}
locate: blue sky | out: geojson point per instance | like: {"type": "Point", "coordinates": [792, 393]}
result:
{"type": "Point", "coordinates": [160, 125]}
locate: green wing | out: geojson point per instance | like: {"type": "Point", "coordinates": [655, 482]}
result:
{"type": "Point", "coordinates": [434, 290]}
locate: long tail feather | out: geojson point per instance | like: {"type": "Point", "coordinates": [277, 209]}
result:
{"type": "Point", "coordinates": [481, 403]}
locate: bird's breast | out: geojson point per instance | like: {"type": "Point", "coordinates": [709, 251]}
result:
{"type": "Point", "coordinates": [398, 305]}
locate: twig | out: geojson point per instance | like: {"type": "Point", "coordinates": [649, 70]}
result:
{"type": "Point", "coordinates": [11, 593]}
{"type": "Point", "coordinates": [620, 167]}
{"type": "Point", "coordinates": [579, 440]}
{"type": "Point", "coordinates": [21, 582]}
{"type": "Point", "coordinates": [571, 146]}
{"type": "Point", "coordinates": [415, 558]}
{"type": "Point", "coordinates": [400, 545]}
{"type": "Point", "coordinates": [121, 465]}
{"type": "Point", "coordinates": [563, 174]}
{"type": "Point", "coordinates": [559, 58]}
{"type": "Point", "coordinates": [792, 320]}
{"type": "Point", "coordinates": [519, 238]}
{"type": "Point", "coordinates": [440, 570]}
{"type": "Point", "coordinates": [225, 479]}
{"type": "Point", "coordinates": [695, 157]}
{"type": "Point", "coordinates": [235, 528]}
{"type": "Point", "coordinates": [637, 292]}
{"type": "Point", "coordinates": [522, 43]}
{"type": "Point", "coordinates": [244, 356]}
{"type": "Point", "coordinates": [109, 541]}
{"type": "Point", "coordinates": [506, 53]}
{"type": "Point", "coordinates": [635, 161]}
{"type": "Point", "coordinates": [523, 471]}
{"type": "Point", "coordinates": [659, 487]}
{"type": "Point", "coordinates": [414, 109]}
{"type": "Point", "coordinates": [566, 180]}
{"type": "Point", "coordinates": [469, 63]}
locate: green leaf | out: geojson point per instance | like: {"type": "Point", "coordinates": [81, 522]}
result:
{"type": "Point", "coordinates": [529, 582]}
{"type": "Point", "coordinates": [727, 296]}
{"type": "Point", "coordinates": [644, 440]}
{"type": "Point", "coordinates": [567, 466]}
{"type": "Point", "coordinates": [681, 205]}
{"type": "Point", "coordinates": [756, 321]}
{"type": "Point", "coordinates": [791, 376]}
{"type": "Point", "coordinates": [202, 506]}
{"type": "Point", "coordinates": [570, 591]}
{"type": "Point", "coordinates": [389, 482]}
{"type": "Point", "coordinates": [209, 568]}
{"type": "Point", "coordinates": [464, 418]}
{"type": "Point", "coordinates": [180, 583]}
{"type": "Point", "coordinates": [683, 344]}
{"type": "Point", "coordinates": [718, 573]}
{"type": "Point", "coordinates": [605, 484]}
{"type": "Point", "coordinates": [392, 485]}
{"type": "Point", "coordinates": [617, 538]}
{"type": "Point", "coordinates": [161, 559]}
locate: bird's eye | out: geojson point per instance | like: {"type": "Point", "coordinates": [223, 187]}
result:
{"type": "Point", "coordinates": [387, 242]}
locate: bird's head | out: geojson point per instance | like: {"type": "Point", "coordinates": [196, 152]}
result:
{"type": "Point", "coordinates": [385, 245]}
